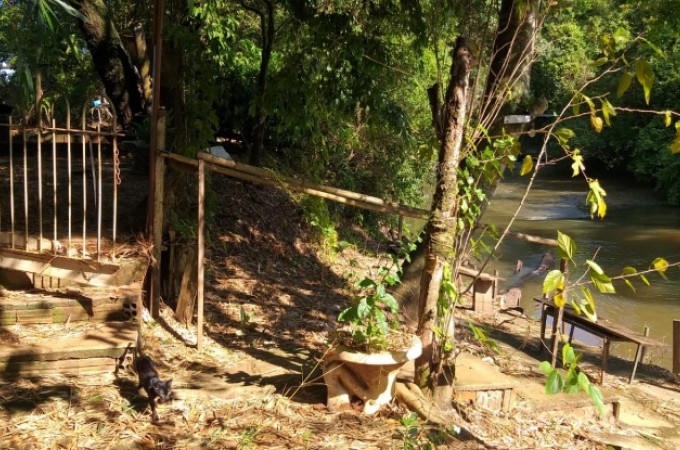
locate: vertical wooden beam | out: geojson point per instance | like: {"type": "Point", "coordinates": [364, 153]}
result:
{"type": "Point", "coordinates": [201, 228]}
{"type": "Point", "coordinates": [151, 220]}
{"type": "Point", "coordinates": [11, 180]}
{"type": "Point", "coordinates": [676, 346]}
{"type": "Point", "coordinates": [157, 224]}
{"type": "Point", "coordinates": [643, 353]}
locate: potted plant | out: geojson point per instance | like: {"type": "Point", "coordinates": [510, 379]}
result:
{"type": "Point", "coordinates": [368, 351]}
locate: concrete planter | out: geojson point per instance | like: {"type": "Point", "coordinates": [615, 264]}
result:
{"type": "Point", "coordinates": [368, 376]}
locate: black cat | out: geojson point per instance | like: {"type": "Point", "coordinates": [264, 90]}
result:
{"type": "Point", "coordinates": [155, 388]}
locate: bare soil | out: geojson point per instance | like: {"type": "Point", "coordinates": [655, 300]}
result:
{"type": "Point", "coordinates": [271, 299]}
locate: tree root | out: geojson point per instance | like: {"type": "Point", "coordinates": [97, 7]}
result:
{"type": "Point", "coordinates": [414, 399]}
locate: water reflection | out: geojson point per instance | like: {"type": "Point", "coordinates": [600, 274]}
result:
{"type": "Point", "coordinates": [638, 228]}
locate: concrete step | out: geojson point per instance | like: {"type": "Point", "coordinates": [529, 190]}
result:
{"type": "Point", "coordinates": [74, 349]}
{"type": "Point", "coordinates": [69, 305]}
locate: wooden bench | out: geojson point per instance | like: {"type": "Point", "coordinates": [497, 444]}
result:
{"type": "Point", "coordinates": [607, 330]}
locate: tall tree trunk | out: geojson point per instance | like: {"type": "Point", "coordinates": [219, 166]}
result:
{"type": "Point", "coordinates": [111, 61]}
{"type": "Point", "coordinates": [441, 228]}
{"type": "Point", "coordinates": [513, 48]}
{"type": "Point", "coordinates": [266, 13]}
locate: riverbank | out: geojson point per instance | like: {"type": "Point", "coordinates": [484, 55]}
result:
{"type": "Point", "coordinates": [271, 296]}
{"type": "Point", "coordinates": [647, 410]}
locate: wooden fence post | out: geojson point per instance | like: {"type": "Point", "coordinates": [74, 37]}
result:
{"type": "Point", "coordinates": [676, 346]}
{"type": "Point", "coordinates": [201, 251]}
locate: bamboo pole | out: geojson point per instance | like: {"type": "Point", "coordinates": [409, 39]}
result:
{"type": "Point", "coordinates": [100, 196]}
{"type": "Point", "coordinates": [201, 250]}
{"type": "Point", "coordinates": [115, 182]}
{"type": "Point", "coordinates": [349, 197]}
{"type": "Point", "coordinates": [55, 235]}
{"type": "Point", "coordinates": [40, 190]}
{"type": "Point", "coordinates": [676, 346]}
{"type": "Point", "coordinates": [25, 184]}
{"type": "Point", "coordinates": [11, 182]}
{"type": "Point", "coordinates": [259, 180]}
{"type": "Point", "coordinates": [69, 163]}
{"type": "Point", "coordinates": [84, 148]}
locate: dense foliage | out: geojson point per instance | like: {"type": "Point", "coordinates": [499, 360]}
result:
{"type": "Point", "coordinates": [571, 45]}
{"type": "Point", "coordinates": [342, 96]}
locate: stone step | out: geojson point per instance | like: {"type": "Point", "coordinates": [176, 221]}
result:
{"type": "Point", "coordinates": [74, 349]}
{"type": "Point", "coordinates": [70, 305]}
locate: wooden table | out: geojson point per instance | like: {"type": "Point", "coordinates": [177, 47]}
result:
{"type": "Point", "coordinates": [607, 330]}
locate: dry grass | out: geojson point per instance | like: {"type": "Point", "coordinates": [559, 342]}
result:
{"type": "Point", "coordinates": [270, 302]}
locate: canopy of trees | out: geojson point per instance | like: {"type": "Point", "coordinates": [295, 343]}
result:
{"type": "Point", "coordinates": [333, 90]}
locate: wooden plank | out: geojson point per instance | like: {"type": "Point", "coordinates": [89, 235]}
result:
{"type": "Point", "coordinates": [188, 289]}
{"type": "Point", "coordinates": [78, 270]}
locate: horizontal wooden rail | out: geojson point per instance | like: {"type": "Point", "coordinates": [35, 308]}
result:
{"type": "Point", "coordinates": [256, 175]}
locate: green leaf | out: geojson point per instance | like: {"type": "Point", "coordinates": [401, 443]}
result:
{"type": "Point", "coordinates": [566, 247]}
{"type": "Point", "coordinates": [363, 308]}
{"type": "Point", "coordinates": [621, 36]}
{"type": "Point", "coordinates": [348, 315]}
{"type": "Point", "coordinates": [645, 280]}
{"type": "Point", "coordinates": [645, 76]}
{"type": "Point", "coordinates": [668, 119]}
{"type": "Point", "coordinates": [654, 48]}
{"type": "Point", "coordinates": [391, 302]}
{"type": "Point", "coordinates": [563, 135]}
{"type": "Point", "coordinates": [577, 165]}
{"type": "Point", "coordinates": [660, 264]}
{"type": "Point", "coordinates": [607, 111]}
{"type": "Point", "coordinates": [560, 299]}
{"type": "Point", "coordinates": [553, 384]}
{"type": "Point", "coordinates": [601, 61]}
{"type": "Point", "coordinates": [568, 355]}
{"type": "Point", "coordinates": [624, 83]}
{"type": "Point", "coordinates": [597, 399]}
{"type": "Point", "coordinates": [595, 199]}
{"type": "Point", "coordinates": [629, 270]}
{"type": "Point", "coordinates": [589, 307]}
{"type": "Point", "coordinates": [366, 283]}
{"type": "Point", "coordinates": [596, 122]}
{"type": "Point", "coordinates": [675, 146]}
{"type": "Point", "coordinates": [603, 283]}
{"type": "Point", "coordinates": [545, 367]}
{"type": "Point", "coordinates": [576, 103]}
{"type": "Point", "coordinates": [594, 267]}
{"type": "Point", "coordinates": [583, 381]}
{"type": "Point", "coordinates": [630, 285]}
{"type": "Point", "coordinates": [554, 281]}
{"type": "Point", "coordinates": [527, 165]}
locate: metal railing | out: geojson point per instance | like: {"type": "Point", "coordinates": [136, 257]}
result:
{"type": "Point", "coordinates": [55, 179]}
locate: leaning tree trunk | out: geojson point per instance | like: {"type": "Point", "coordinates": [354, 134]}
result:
{"type": "Point", "coordinates": [441, 228]}
{"type": "Point", "coordinates": [111, 61]}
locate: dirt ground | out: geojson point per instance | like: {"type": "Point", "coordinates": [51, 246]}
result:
{"type": "Point", "coordinates": [271, 298]}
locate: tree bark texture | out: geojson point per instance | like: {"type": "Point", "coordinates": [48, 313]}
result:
{"type": "Point", "coordinates": [265, 11]}
{"type": "Point", "coordinates": [441, 228]}
{"type": "Point", "coordinates": [111, 61]}
{"type": "Point", "coordinates": [513, 48]}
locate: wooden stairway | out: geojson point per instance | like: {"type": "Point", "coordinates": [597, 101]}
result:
{"type": "Point", "coordinates": [60, 323]}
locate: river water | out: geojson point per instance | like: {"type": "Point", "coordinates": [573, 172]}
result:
{"type": "Point", "coordinates": [638, 228]}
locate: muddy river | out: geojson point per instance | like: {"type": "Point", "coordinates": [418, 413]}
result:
{"type": "Point", "coordinates": [638, 228]}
